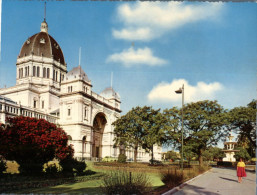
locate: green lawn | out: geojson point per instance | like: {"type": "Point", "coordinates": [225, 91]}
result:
{"type": "Point", "coordinates": [90, 186]}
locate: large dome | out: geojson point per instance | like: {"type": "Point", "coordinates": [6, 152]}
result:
{"type": "Point", "coordinates": [109, 93]}
{"type": "Point", "coordinates": [42, 44]}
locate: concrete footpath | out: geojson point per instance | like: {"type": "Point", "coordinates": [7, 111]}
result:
{"type": "Point", "coordinates": [218, 181]}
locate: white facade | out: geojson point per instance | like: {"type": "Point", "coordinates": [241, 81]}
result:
{"type": "Point", "coordinates": [44, 89]}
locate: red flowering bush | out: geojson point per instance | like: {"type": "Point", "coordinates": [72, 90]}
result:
{"type": "Point", "coordinates": [32, 142]}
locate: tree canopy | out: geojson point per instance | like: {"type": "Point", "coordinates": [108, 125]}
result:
{"type": "Point", "coordinates": [32, 142]}
{"type": "Point", "coordinates": [213, 153]}
{"type": "Point", "coordinates": [204, 125]}
{"type": "Point", "coordinates": [140, 127]}
{"type": "Point", "coordinates": [243, 121]}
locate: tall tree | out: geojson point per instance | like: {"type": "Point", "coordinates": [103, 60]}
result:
{"type": "Point", "coordinates": [172, 126]}
{"type": "Point", "coordinates": [140, 127]}
{"type": "Point", "coordinates": [129, 131]}
{"type": "Point", "coordinates": [204, 122]}
{"type": "Point", "coordinates": [243, 122]}
{"type": "Point", "coordinates": [153, 124]}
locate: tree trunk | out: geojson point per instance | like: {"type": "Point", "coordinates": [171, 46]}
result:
{"type": "Point", "coordinates": [152, 155]}
{"type": "Point", "coordinates": [200, 157]}
{"type": "Point", "coordinates": [135, 154]}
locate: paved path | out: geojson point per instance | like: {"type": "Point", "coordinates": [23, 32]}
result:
{"type": "Point", "coordinates": [220, 181]}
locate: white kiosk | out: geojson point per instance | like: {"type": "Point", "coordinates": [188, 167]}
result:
{"type": "Point", "coordinates": [229, 150]}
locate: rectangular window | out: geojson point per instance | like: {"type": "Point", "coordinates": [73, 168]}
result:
{"type": "Point", "coordinates": [34, 71]}
{"type": "Point", "coordinates": [38, 71]}
{"type": "Point", "coordinates": [69, 89]}
{"type": "Point", "coordinates": [54, 75]}
{"type": "Point", "coordinates": [85, 113]}
{"type": "Point", "coordinates": [69, 112]}
{"type": "Point", "coordinates": [48, 72]}
{"type": "Point", "coordinates": [43, 104]}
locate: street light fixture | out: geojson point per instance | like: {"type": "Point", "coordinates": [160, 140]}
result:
{"type": "Point", "coordinates": [181, 91]}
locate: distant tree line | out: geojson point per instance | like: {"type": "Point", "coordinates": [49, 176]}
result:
{"type": "Point", "coordinates": [205, 124]}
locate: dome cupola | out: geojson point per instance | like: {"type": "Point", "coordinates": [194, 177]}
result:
{"type": "Point", "coordinates": [109, 93]}
{"type": "Point", "coordinates": [44, 27]}
{"type": "Point", "coordinates": [77, 73]}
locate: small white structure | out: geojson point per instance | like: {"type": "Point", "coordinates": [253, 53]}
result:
{"type": "Point", "coordinates": [229, 150]}
{"type": "Point", "coordinates": [46, 90]}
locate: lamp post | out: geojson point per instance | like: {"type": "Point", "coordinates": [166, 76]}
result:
{"type": "Point", "coordinates": [181, 91]}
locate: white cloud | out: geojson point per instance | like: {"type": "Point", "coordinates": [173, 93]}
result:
{"type": "Point", "coordinates": [133, 34]}
{"type": "Point", "coordinates": [131, 57]}
{"type": "Point", "coordinates": [165, 92]}
{"type": "Point", "coordinates": [148, 20]}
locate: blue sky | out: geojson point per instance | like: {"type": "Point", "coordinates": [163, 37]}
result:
{"type": "Point", "coordinates": [152, 48]}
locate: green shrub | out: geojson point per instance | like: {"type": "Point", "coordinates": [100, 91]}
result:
{"type": "Point", "coordinates": [3, 166]}
{"type": "Point", "coordinates": [30, 168]}
{"type": "Point", "coordinates": [122, 158]}
{"type": "Point", "coordinates": [191, 173]}
{"type": "Point", "coordinates": [124, 183]}
{"type": "Point", "coordinates": [224, 164]}
{"type": "Point", "coordinates": [51, 170]}
{"type": "Point", "coordinates": [172, 177]}
{"type": "Point", "coordinates": [71, 165]}
{"type": "Point", "coordinates": [202, 169]}
{"type": "Point", "coordinates": [80, 167]}
{"type": "Point", "coordinates": [108, 159]}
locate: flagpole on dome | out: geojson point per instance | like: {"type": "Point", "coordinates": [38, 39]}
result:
{"type": "Point", "coordinates": [79, 61]}
{"type": "Point", "coordinates": [45, 13]}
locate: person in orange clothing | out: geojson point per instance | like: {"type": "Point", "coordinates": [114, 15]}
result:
{"type": "Point", "coordinates": [241, 170]}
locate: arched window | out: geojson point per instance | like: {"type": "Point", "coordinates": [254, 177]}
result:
{"type": "Point", "coordinates": [28, 71]}
{"type": "Point", "coordinates": [21, 72]}
{"type": "Point", "coordinates": [34, 71]}
{"type": "Point", "coordinates": [44, 72]}
{"type": "Point", "coordinates": [48, 73]}
{"type": "Point", "coordinates": [38, 71]}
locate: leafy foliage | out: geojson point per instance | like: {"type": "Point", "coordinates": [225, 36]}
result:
{"type": "Point", "coordinates": [204, 125]}
{"type": "Point", "coordinates": [71, 166]}
{"type": "Point", "coordinates": [171, 155]}
{"type": "Point", "coordinates": [140, 127]}
{"type": "Point", "coordinates": [213, 153]}
{"type": "Point", "coordinates": [123, 183]}
{"type": "Point", "coordinates": [242, 154]}
{"type": "Point", "coordinates": [172, 177]}
{"type": "Point", "coordinates": [243, 121]}
{"type": "Point", "coordinates": [32, 142]}
{"type": "Point", "coordinates": [3, 165]}
{"type": "Point", "coordinates": [122, 158]}
{"type": "Point", "coordinates": [51, 170]}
